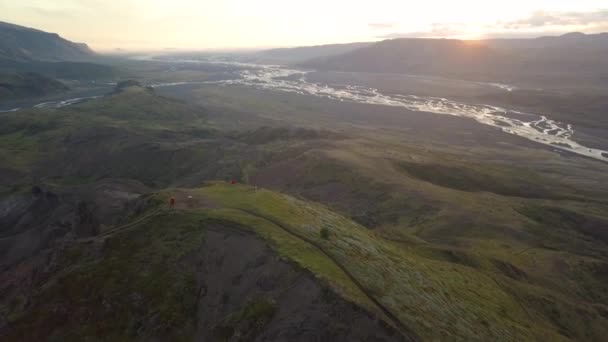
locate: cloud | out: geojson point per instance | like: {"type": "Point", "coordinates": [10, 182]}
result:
{"type": "Point", "coordinates": [520, 34]}
{"type": "Point", "coordinates": [598, 28]}
{"type": "Point", "coordinates": [539, 23]}
{"type": "Point", "coordinates": [544, 18]}
{"type": "Point", "coordinates": [381, 26]}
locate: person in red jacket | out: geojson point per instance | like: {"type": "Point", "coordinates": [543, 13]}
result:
{"type": "Point", "coordinates": [172, 202]}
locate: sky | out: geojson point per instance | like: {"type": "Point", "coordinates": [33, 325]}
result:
{"type": "Point", "coordinates": [229, 24]}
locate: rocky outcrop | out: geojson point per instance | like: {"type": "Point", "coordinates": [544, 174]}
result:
{"type": "Point", "coordinates": [128, 84]}
{"type": "Point", "coordinates": [86, 224]}
{"type": "Point", "coordinates": [38, 226]}
{"type": "Point", "coordinates": [29, 223]}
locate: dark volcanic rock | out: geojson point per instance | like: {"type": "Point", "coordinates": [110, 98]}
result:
{"type": "Point", "coordinates": [86, 224]}
{"type": "Point", "coordinates": [124, 85]}
{"type": "Point", "coordinates": [303, 309]}
{"type": "Point", "coordinates": [34, 222]}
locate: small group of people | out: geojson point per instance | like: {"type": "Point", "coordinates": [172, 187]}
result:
{"type": "Point", "coordinates": [172, 201]}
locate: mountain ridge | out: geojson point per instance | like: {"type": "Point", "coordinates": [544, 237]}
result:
{"type": "Point", "coordinates": [24, 49]}
{"type": "Point", "coordinates": [570, 56]}
{"type": "Point", "coordinates": [24, 43]}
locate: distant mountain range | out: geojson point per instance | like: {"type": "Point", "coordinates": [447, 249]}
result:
{"type": "Point", "coordinates": [26, 44]}
{"type": "Point", "coordinates": [302, 54]}
{"type": "Point", "coordinates": [26, 50]}
{"type": "Point", "coordinates": [570, 40]}
{"type": "Point", "coordinates": [573, 56]}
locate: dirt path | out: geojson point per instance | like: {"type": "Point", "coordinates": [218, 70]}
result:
{"type": "Point", "coordinates": [184, 200]}
{"type": "Point", "coordinates": [111, 232]}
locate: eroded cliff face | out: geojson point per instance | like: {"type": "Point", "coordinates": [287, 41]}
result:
{"type": "Point", "coordinates": [249, 294]}
{"type": "Point", "coordinates": [35, 222]}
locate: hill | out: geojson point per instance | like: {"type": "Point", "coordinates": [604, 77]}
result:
{"type": "Point", "coordinates": [186, 254]}
{"type": "Point", "coordinates": [571, 58]}
{"type": "Point", "coordinates": [25, 44]}
{"type": "Point", "coordinates": [16, 86]}
{"type": "Point", "coordinates": [410, 56]}
{"type": "Point", "coordinates": [173, 274]}
{"type": "Point", "coordinates": [349, 233]}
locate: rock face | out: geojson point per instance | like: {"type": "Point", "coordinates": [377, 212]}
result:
{"type": "Point", "coordinates": [35, 222]}
{"type": "Point", "coordinates": [253, 295]}
{"type": "Point", "coordinates": [86, 224]}
{"type": "Point", "coordinates": [29, 223]}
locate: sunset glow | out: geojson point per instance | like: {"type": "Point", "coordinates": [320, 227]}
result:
{"type": "Point", "coordinates": [196, 24]}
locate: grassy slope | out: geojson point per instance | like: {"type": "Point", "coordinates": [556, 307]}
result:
{"type": "Point", "coordinates": [128, 133]}
{"type": "Point", "coordinates": [436, 292]}
{"type": "Point", "coordinates": [434, 298]}
{"type": "Point", "coordinates": [552, 269]}
{"type": "Point", "coordinates": [458, 195]}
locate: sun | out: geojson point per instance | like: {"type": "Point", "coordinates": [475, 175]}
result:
{"type": "Point", "coordinates": [474, 32]}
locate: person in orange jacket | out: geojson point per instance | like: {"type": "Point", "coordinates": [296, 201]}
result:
{"type": "Point", "coordinates": [172, 202]}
